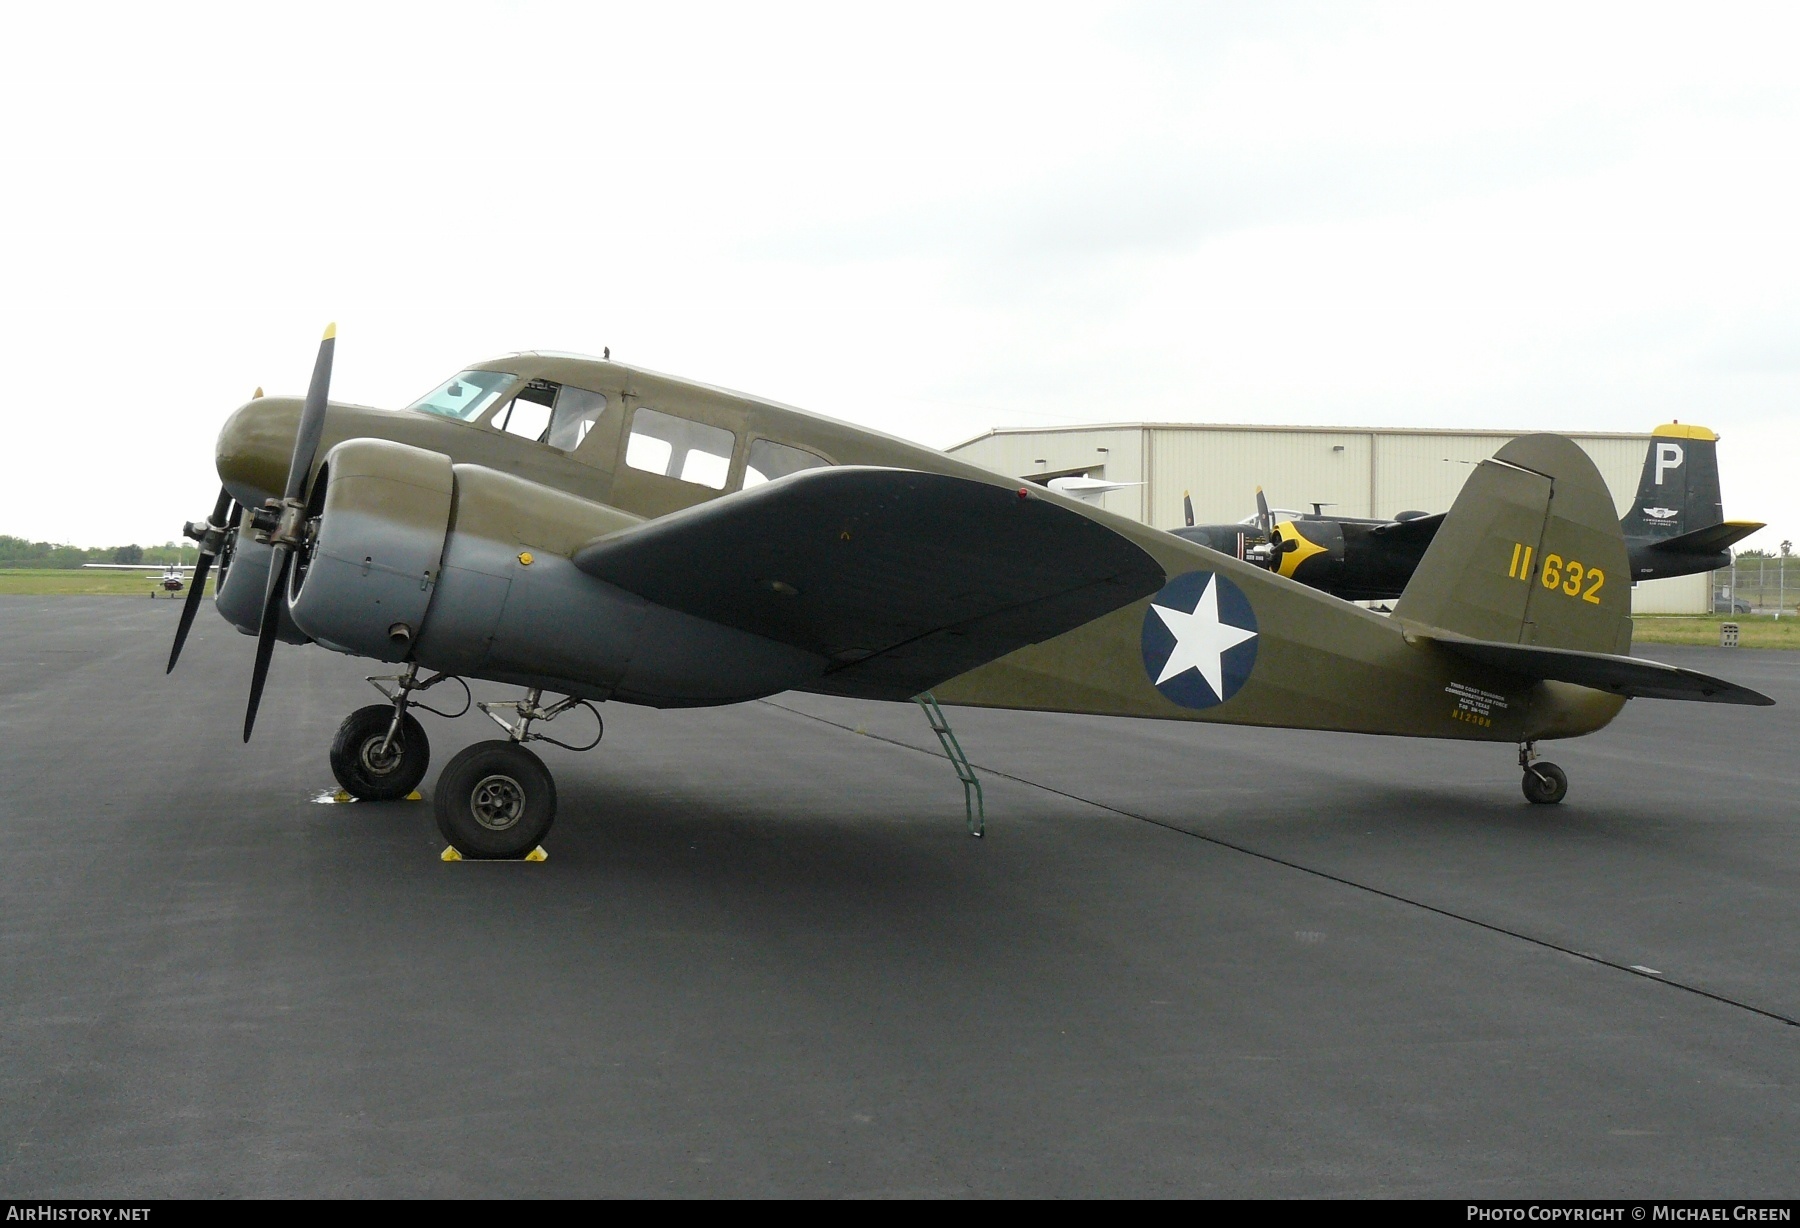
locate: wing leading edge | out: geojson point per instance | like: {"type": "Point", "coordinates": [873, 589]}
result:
{"type": "Point", "coordinates": [901, 579]}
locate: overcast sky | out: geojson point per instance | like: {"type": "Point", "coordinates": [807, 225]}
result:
{"type": "Point", "coordinates": [931, 220]}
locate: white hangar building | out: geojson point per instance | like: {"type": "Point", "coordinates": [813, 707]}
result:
{"type": "Point", "coordinates": [1354, 472]}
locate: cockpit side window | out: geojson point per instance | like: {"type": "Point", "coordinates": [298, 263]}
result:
{"type": "Point", "coordinates": [551, 413]}
{"type": "Point", "coordinates": [465, 396]}
{"type": "Point", "coordinates": [679, 448]}
{"type": "Point", "coordinates": [528, 414]}
{"type": "Point", "coordinates": [770, 460]}
{"type": "Point", "coordinates": [576, 411]}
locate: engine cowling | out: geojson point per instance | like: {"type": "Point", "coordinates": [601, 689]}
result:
{"type": "Point", "coordinates": [365, 581]}
{"type": "Point", "coordinates": [242, 588]}
{"type": "Point", "coordinates": [1312, 556]}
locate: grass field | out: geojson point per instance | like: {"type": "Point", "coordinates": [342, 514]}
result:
{"type": "Point", "coordinates": [1754, 630]}
{"type": "Point", "coordinates": [75, 582]}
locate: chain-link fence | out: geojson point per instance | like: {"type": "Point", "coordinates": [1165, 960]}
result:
{"type": "Point", "coordinates": [1757, 586]}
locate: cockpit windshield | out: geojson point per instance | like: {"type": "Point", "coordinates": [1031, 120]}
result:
{"type": "Point", "coordinates": [466, 395]}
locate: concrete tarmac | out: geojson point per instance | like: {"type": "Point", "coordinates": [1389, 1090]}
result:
{"type": "Point", "coordinates": [765, 959]}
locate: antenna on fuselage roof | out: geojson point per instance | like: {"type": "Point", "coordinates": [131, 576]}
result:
{"type": "Point", "coordinates": [606, 352]}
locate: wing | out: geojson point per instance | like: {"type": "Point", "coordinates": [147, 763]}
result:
{"type": "Point", "coordinates": [900, 579]}
{"type": "Point", "coordinates": [1419, 530]}
{"type": "Point", "coordinates": [139, 566]}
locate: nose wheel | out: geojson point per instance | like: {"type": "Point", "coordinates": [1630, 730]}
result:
{"type": "Point", "coordinates": [379, 755]}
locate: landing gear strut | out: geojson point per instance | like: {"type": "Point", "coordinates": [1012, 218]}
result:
{"type": "Point", "coordinates": [380, 753]}
{"type": "Point", "coordinates": [496, 800]}
{"type": "Point", "coordinates": [1544, 784]}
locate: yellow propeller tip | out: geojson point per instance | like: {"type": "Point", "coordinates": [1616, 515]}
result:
{"type": "Point", "coordinates": [257, 395]}
{"type": "Point", "coordinates": [330, 332]}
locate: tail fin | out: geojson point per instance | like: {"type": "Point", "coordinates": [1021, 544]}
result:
{"type": "Point", "coordinates": [1530, 553]}
{"type": "Point", "coordinates": [1679, 490]}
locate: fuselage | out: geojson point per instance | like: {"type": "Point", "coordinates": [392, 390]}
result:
{"type": "Point", "coordinates": [650, 445]}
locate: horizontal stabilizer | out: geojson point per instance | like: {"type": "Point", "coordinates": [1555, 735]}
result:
{"type": "Point", "coordinates": [899, 579]}
{"type": "Point", "coordinates": [1629, 676]}
{"type": "Point", "coordinates": [1710, 540]}
{"type": "Point", "coordinates": [1418, 529]}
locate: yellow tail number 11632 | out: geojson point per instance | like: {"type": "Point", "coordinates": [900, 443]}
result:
{"type": "Point", "coordinates": [1556, 575]}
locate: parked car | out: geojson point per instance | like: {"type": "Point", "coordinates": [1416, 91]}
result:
{"type": "Point", "coordinates": [1733, 605]}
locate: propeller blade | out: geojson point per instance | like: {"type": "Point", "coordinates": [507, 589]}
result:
{"type": "Point", "coordinates": [312, 417]}
{"type": "Point", "coordinates": [265, 633]}
{"type": "Point", "coordinates": [202, 565]}
{"type": "Point", "coordinates": [189, 608]}
{"type": "Point", "coordinates": [1264, 520]}
{"type": "Point", "coordinates": [306, 447]}
{"type": "Point", "coordinates": [1187, 508]}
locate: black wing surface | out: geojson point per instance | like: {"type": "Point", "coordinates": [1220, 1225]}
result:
{"type": "Point", "coordinates": [1419, 530]}
{"type": "Point", "coordinates": [902, 579]}
{"type": "Point", "coordinates": [1631, 676]}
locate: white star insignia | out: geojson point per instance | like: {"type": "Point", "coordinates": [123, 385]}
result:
{"type": "Point", "coordinates": [1201, 640]}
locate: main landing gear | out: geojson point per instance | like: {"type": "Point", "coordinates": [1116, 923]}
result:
{"type": "Point", "coordinates": [1544, 784]}
{"type": "Point", "coordinates": [496, 800]}
{"type": "Point", "coordinates": [380, 753]}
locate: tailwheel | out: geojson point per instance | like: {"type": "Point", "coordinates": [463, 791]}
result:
{"type": "Point", "coordinates": [371, 765]}
{"type": "Point", "coordinates": [1545, 784]}
{"type": "Point", "coordinates": [495, 801]}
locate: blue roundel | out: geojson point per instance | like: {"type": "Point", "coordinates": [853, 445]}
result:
{"type": "Point", "coordinates": [1199, 639]}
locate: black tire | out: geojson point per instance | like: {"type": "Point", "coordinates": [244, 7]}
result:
{"type": "Point", "coordinates": [495, 801]}
{"type": "Point", "coordinates": [1545, 784]}
{"type": "Point", "coordinates": [359, 765]}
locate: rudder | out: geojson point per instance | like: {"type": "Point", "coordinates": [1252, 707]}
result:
{"type": "Point", "coordinates": [1530, 553]}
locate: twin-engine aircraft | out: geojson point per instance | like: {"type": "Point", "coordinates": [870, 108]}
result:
{"type": "Point", "coordinates": [1676, 527]}
{"type": "Point", "coordinates": [588, 529]}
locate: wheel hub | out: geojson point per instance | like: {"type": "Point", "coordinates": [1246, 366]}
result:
{"type": "Point", "coordinates": [497, 802]}
{"type": "Point", "coordinates": [380, 762]}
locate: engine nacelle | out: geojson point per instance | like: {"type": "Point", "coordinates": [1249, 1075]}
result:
{"type": "Point", "coordinates": [384, 511]}
{"type": "Point", "coordinates": [468, 571]}
{"type": "Point", "coordinates": [244, 585]}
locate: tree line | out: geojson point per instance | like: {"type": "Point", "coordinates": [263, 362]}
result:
{"type": "Point", "coordinates": [17, 552]}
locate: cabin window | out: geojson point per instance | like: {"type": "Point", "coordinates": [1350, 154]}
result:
{"type": "Point", "coordinates": [677, 448]}
{"type": "Point", "coordinates": [770, 460]}
{"type": "Point", "coordinates": [465, 396]}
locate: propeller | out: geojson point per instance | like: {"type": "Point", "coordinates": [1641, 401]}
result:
{"type": "Point", "coordinates": [1265, 519]}
{"type": "Point", "coordinates": [212, 534]}
{"type": "Point", "coordinates": [288, 516]}
{"type": "Point", "coordinates": [1187, 508]}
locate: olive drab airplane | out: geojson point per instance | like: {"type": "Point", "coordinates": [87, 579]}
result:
{"type": "Point", "coordinates": [583, 528]}
{"type": "Point", "coordinates": [1676, 527]}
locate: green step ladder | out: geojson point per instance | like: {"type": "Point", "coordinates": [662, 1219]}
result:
{"type": "Point", "coordinates": [965, 772]}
